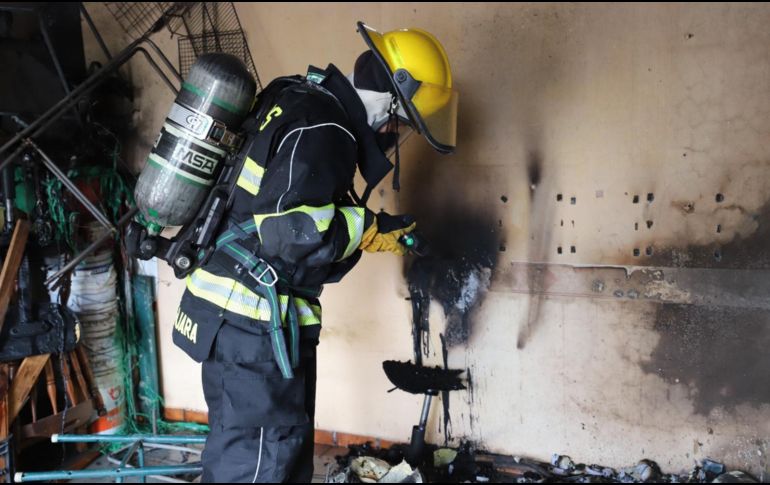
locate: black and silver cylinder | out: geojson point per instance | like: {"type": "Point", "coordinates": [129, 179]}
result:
{"type": "Point", "coordinates": [197, 135]}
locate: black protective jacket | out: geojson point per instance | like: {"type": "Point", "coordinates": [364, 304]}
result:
{"type": "Point", "coordinates": [293, 196]}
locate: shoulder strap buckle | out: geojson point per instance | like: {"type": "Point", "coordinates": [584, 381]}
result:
{"type": "Point", "coordinates": [263, 270]}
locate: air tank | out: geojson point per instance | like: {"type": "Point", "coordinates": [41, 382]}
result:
{"type": "Point", "coordinates": [197, 135]}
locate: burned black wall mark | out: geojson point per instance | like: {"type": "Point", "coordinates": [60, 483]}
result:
{"type": "Point", "coordinates": [534, 171]}
{"type": "Point", "coordinates": [721, 352]}
{"type": "Point", "coordinates": [752, 252]}
{"type": "Point", "coordinates": [445, 395]}
{"type": "Point", "coordinates": [464, 250]}
{"type": "Point", "coordinates": [464, 241]}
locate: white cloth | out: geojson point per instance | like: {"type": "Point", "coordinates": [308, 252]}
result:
{"type": "Point", "coordinates": [377, 105]}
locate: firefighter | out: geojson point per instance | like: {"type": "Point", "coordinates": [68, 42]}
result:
{"type": "Point", "coordinates": [251, 312]}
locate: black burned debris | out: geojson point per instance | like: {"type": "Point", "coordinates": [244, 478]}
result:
{"type": "Point", "coordinates": [467, 464]}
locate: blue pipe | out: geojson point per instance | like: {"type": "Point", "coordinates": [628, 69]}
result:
{"type": "Point", "coordinates": [117, 473]}
{"type": "Point", "coordinates": [145, 438]}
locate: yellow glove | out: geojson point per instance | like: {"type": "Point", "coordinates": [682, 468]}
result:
{"type": "Point", "coordinates": [384, 232]}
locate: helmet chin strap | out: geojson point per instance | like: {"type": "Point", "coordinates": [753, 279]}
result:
{"type": "Point", "coordinates": [397, 168]}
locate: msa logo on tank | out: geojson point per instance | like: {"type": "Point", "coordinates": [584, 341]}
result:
{"type": "Point", "coordinates": [185, 154]}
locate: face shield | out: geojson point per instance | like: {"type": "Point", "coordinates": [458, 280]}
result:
{"type": "Point", "coordinates": [430, 107]}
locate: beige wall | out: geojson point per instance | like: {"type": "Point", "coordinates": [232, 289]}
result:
{"type": "Point", "coordinates": [568, 353]}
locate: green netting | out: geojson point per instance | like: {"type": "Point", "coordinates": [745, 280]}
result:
{"type": "Point", "coordinates": [137, 422]}
{"type": "Point", "coordinates": [115, 196]}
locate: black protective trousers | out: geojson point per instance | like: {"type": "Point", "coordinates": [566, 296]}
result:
{"type": "Point", "coordinates": [261, 424]}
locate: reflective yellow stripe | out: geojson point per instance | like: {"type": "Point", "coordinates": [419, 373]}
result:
{"type": "Point", "coordinates": [308, 314]}
{"type": "Point", "coordinates": [228, 294]}
{"type": "Point", "coordinates": [232, 296]}
{"type": "Point", "coordinates": [322, 216]}
{"type": "Point", "coordinates": [250, 178]}
{"type": "Point", "coordinates": [354, 217]}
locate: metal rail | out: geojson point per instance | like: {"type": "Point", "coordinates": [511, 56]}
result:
{"type": "Point", "coordinates": [135, 445]}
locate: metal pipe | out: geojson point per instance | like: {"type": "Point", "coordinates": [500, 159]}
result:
{"type": "Point", "coordinates": [113, 473]}
{"type": "Point", "coordinates": [182, 449]}
{"type": "Point", "coordinates": [52, 52]}
{"type": "Point", "coordinates": [165, 60]}
{"type": "Point", "coordinates": [90, 249]}
{"type": "Point", "coordinates": [425, 410]}
{"type": "Point", "coordinates": [11, 157]}
{"type": "Point", "coordinates": [50, 165]}
{"type": "Point", "coordinates": [127, 457]}
{"type": "Point", "coordinates": [157, 69]}
{"type": "Point", "coordinates": [96, 33]}
{"type": "Point", "coordinates": [57, 110]}
{"type": "Point", "coordinates": [160, 478]}
{"type": "Point", "coordinates": [8, 194]}
{"type": "Point", "coordinates": [146, 438]}
{"type": "Point", "coordinates": [148, 353]}
{"type": "Point", "coordinates": [140, 461]}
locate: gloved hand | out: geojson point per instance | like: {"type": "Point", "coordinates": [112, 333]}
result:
{"type": "Point", "coordinates": [384, 232]}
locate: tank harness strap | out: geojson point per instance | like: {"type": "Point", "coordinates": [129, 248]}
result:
{"type": "Point", "coordinates": [258, 276]}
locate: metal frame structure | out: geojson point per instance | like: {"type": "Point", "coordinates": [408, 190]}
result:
{"type": "Point", "coordinates": [135, 446]}
{"type": "Point", "coordinates": [24, 142]}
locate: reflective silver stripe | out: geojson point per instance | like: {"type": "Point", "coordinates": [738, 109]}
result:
{"type": "Point", "coordinates": [259, 460]}
{"type": "Point", "coordinates": [291, 171]}
{"type": "Point", "coordinates": [228, 294]}
{"type": "Point", "coordinates": [312, 127]}
{"type": "Point", "coordinates": [231, 295]}
{"type": "Point", "coordinates": [307, 313]}
{"type": "Point", "coordinates": [250, 177]}
{"type": "Point", "coordinates": [322, 216]}
{"type": "Point", "coordinates": [291, 163]}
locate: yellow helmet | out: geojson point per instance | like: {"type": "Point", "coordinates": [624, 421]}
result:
{"type": "Point", "coordinates": [418, 67]}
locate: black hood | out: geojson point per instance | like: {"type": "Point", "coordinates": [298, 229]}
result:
{"type": "Point", "coordinates": [372, 162]}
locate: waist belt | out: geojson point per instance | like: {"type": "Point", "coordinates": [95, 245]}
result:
{"type": "Point", "coordinates": [258, 276]}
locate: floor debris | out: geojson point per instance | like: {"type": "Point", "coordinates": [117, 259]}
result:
{"type": "Point", "coordinates": [365, 464]}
